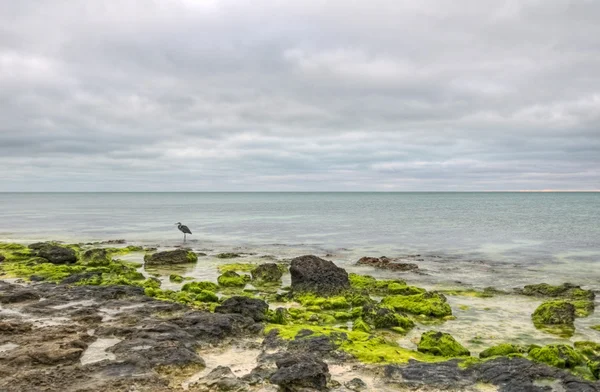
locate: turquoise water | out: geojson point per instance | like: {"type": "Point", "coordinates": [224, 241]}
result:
{"type": "Point", "coordinates": [511, 237]}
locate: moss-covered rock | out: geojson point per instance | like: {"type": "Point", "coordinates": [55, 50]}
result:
{"type": "Point", "coordinates": [207, 296]}
{"type": "Point", "coordinates": [178, 256]}
{"type": "Point", "coordinates": [441, 344]}
{"type": "Point", "coordinates": [279, 316]}
{"type": "Point", "coordinates": [233, 279]}
{"type": "Point", "coordinates": [228, 255]}
{"type": "Point", "coordinates": [566, 290]}
{"type": "Point", "coordinates": [198, 287]}
{"type": "Point", "coordinates": [176, 278]}
{"type": "Point", "coordinates": [427, 304]}
{"type": "Point", "coordinates": [595, 327]}
{"type": "Point", "coordinates": [558, 312]}
{"type": "Point", "coordinates": [396, 288]}
{"type": "Point", "coordinates": [557, 355]}
{"type": "Point", "coordinates": [583, 307]}
{"type": "Point", "coordinates": [502, 350]}
{"type": "Point", "coordinates": [381, 317]}
{"type": "Point", "coordinates": [267, 273]}
{"type": "Point", "coordinates": [373, 286]}
{"type": "Point", "coordinates": [96, 257]}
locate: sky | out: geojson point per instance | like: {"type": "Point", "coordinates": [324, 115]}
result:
{"type": "Point", "coordinates": [265, 95]}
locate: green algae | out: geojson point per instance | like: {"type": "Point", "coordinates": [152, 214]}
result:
{"type": "Point", "coordinates": [279, 316]}
{"type": "Point", "coordinates": [238, 267]}
{"type": "Point", "coordinates": [176, 278]}
{"type": "Point", "coordinates": [503, 349]}
{"type": "Point", "coordinates": [381, 317]}
{"type": "Point", "coordinates": [427, 304]}
{"type": "Point", "coordinates": [583, 307]}
{"type": "Point", "coordinates": [566, 290]}
{"type": "Point", "coordinates": [557, 355]}
{"type": "Point", "coordinates": [233, 279]}
{"type": "Point", "coordinates": [595, 327]}
{"type": "Point", "coordinates": [198, 287]}
{"type": "Point", "coordinates": [371, 285]}
{"type": "Point", "coordinates": [364, 346]}
{"type": "Point", "coordinates": [315, 302]}
{"type": "Point", "coordinates": [360, 325]}
{"type": "Point", "coordinates": [554, 313]}
{"type": "Point", "coordinates": [441, 344]}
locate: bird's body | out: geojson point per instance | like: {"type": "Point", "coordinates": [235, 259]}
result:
{"type": "Point", "coordinates": [184, 229]}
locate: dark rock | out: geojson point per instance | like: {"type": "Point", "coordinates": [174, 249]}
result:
{"type": "Point", "coordinates": [19, 296]}
{"type": "Point", "coordinates": [269, 272]}
{"type": "Point", "coordinates": [177, 256]}
{"type": "Point", "coordinates": [259, 374]}
{"type": "Point", "coordinates": [228, 255]}
{"type": "Point", "coordinates": [295, 372]}
{"type": "Point", "coordinates": [36, 278]}
{"type": "Point", "coordinates": [2, 258]}
{"type": "Point", "coordinates": [386, 263]}
{"type": "Point", "coordinates": [356, 384]}
{"type": "Point", "coordinates": [222, 378]}
{"type": "Point", "coordinates": [249, 307]}
{"type": "Point", "coordinates": [321, 345]}
{"type": "Point", "coordinates": [508, 374]}
{"type": "Point", "coordinates": [53, 253]}
{"type": "Point", "coordinates": [554, 313]}
{"type": "Point", "coordinates": [313, 274]}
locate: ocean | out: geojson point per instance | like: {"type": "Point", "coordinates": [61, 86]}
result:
{"type": "Point", "coordinates": [502, 238]}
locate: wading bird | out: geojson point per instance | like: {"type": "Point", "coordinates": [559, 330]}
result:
{"type": "Point", "coordinates": [184, 229]}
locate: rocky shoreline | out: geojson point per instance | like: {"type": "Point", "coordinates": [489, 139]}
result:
{"type": "Point", "coordinates": [76, 318]}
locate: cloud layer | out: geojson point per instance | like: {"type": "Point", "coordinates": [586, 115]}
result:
{"type": "Point", "coordinates": [198, 95]}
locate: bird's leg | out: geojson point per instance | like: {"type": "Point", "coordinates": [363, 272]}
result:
{"type": "Point", "coordinates": [183, 237]}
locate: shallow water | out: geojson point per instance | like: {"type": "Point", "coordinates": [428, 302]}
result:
{"type": "Point", "coordinates": [96, 351]}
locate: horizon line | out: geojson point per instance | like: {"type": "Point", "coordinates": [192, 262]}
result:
{"type": "Point", "coordinates": [373, 191]}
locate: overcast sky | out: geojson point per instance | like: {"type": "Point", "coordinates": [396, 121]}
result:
{"type": "Point", "coordinates": [209, 95]}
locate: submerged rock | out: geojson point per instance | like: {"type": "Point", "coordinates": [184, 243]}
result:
{"type": "Point", "coordinates": [502, 350]}
{"type": "Point", "coordinates": [313, 274]}
{"type": "Point", "coordinates": [19, 296]}
{"type": "Point", "coordinates": [233, 279]}
{"type": "Point", "coordinates": [256, 309]}
{"type": "Point", "coordinates": [298, 371]}
{"type": "Point", "coordinates": [566, 290]}
{"type": "Point", "coordinates": [356, 384]}
{"type": "Point", "coordinates": [441, 344]}
{"type": "Point", "coordinates": [387, 263]}
{"type": "Point", "coordinates": [554, 313]}
{"type": "Point", "coordinates": [221, 378]}
{"type": "Point", "coordinates": [268, 273]}
{"type": "Point", "coordinates": [53, 253]}
{"type": "Point", "coordinates": [178, 256]}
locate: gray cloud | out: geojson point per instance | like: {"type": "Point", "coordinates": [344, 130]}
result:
{"type": "Point", "coordinates": [312, 95]}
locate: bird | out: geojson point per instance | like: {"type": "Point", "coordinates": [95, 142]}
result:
{"type": "Point", "coordinates": [184, 229]}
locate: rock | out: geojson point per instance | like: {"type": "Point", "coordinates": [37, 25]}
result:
{"type": "Point", "coordinates": [557, 355]}
{"type": "Point", "coordinates": [14, 327]}
{"type": "Point", "coordinates": [502, 350]}
{"type": "Point", "coordinates": [295, 372]}
{"type": "Point", "coordinates": [178, 256]}
{"type": "Point", "coordinates": [256, 309]}
{"type": "Point", "coordinates": [427, 304]}
{"type": "Point", "coordinates": [36, 278]}
{"type": "Point", "coordinates": [228, 255]}
{"type": "Point", "coordinates": [386, 263]}
{"type": "Point", "coordinates": [554, 313]}
{"type": "Point", "coordinates": [19, 296]}
{"type": "Point", "coordinates": [96, 257]}
{"type": "Point", "coordinates": [507, 374]}
{"type": "Point", "coordinates": [233, 279]}
{"type": "Point", "coordinates": [566, 290]}
{"type": "Point", "coordinates": [385, 318]}
{"type": "Point", "coordinates": [268, 273]}
{"type": "Point", "coordinates": [441, 344]}
{"type": "Point", "coordinates": [2, 258]}
{"type": "Point", "coordinates": [53, 253]}
{"type": "Point", "coordinates": [222, 378]}
{"type": "Point", "coordinates": [175, 278]}
{"type": "Point", "coordinates": [313, 274]}
{"type": "Point", "coordinates": [356, 384]}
